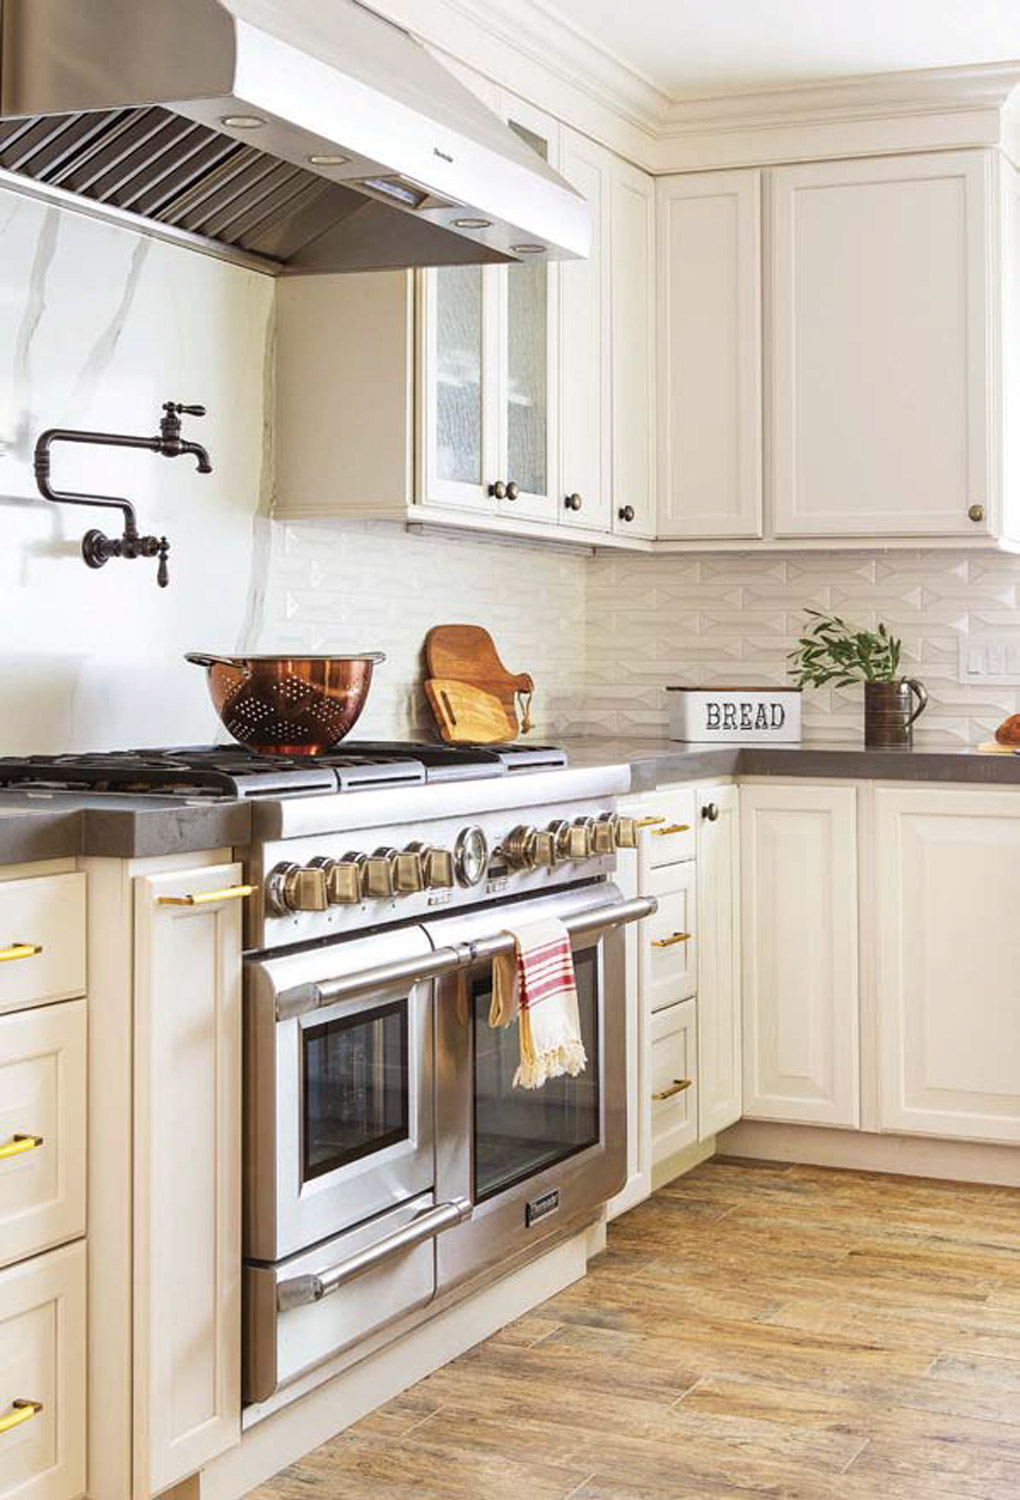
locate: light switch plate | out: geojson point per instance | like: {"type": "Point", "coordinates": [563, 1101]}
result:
{"type": "Point", "coordinates": [986, 657]}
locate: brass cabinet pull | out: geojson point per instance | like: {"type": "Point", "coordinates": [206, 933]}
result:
{"type": "Point", "coordinates": [676, 1087]}
{"type": "Point", "coordinates": [202, 898]}
{"type": "Point", "coordinates": [660, 833]}
{"type": "Point", "coordinates": [18, 1145]}
{"type": "Point", "coordinates": [20, 950]}
{"type": "Point", "coordinates": [647, 822]}
{"type": "Point", "coordinates": [672, 940]}
{"type": "Point", "coordinates": [21, 1411]}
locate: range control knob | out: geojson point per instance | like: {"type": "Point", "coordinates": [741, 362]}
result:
{"type": "Point", "coordinates": [291, 888]}
{"type": "Point", "coordinates": [580, 838]}
{"type": "Point", "coordinates": [559, 834]}
{"type": "Point", "coordinates": [624, 832]}
{"type": "Point", "coordinates": [436, 866]}
{"type": "Point", "coordinates": [409, 870]}
{"type": "Point", "coordinates": [518, 848]}
{"type": "Point", "coordinates": [603, 839]}
{"type": "Point", "coordinates": [343, 878]}
{"type": "Point", "coordinates": [380, 878]}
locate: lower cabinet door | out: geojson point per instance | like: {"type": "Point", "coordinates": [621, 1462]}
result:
{"type": "Point", "coordinates": [674, 1086]}
{"type": "Point", "coordinates": [948, 961]}
{"type": "Point", "coordinates": [799, 905]}
{"type": "Point", "coordinates": [42, 1377]}
{"type": "Point", "coordinates": [720, 1080]}
{"type": "Point", "coordinates": [187, 1290]}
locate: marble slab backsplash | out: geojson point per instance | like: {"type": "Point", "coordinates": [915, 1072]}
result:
{"type": "Point", "coordinates": [729, 620]}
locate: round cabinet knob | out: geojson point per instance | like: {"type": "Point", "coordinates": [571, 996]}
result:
{"type": "Point", "coordinates": [573, 502]}
{"type": "Point", "coordinates": [292, 888]}
{"type": "Point", "coordinates": [498, 490]}
{"type": "Point", "coordinates": [976, 513]}
{"type": "Point", "coordinates": [512, 490]}
{"type": "Point", "coordinates": [381, 874]}
{"type": "Point", "coordinates": [626, 513]}
{"type": "Point", "coordinates": [711, 812]}
{"type": "Point", "coordinates": [343, 878]}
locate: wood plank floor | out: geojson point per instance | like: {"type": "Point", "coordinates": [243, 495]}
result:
{"type": "Point", "coordinates": [752, 1329]}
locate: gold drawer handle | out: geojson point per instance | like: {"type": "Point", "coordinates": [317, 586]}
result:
{"type": "Point", "coordinates": [20, 950]}
{"type": "Point", "coordinates": [19, 1144]}
{"type": "Point", "coordinates": [661, 833]}
{"type": "Point", "coordinates": [229, 893]}
{"type": "Point", "coordinates": [23, 1411]}
{"type": "Point", "coordinates": [676, 1087]}
{"type": "Point", "coordinates": [647, 822]}
{"type": "Point", "coordinates": [672, 940]}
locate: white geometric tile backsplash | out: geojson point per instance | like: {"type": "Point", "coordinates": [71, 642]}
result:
{"type": "Point", "coordinates": [604, 636]}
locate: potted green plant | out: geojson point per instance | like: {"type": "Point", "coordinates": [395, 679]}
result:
{"type": "Point", "coordinates": [831, 651]}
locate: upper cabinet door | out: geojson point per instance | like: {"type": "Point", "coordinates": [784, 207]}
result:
{"type": "Point", "coordinates": [881, 345]}
{"type": "Point", "coordinates": [584, 345]}
{"type": "Point", "coordinates": [632, 252]}
{"type": "Point", "coordinates": [527, 299]}
{"type": "Point", "coordinates": [459, 426]}
{"type": "Point", "coordinates": [710, 389]}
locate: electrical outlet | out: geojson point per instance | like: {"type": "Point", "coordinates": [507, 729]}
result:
{"type": "Point", "coordinates": [989, 658]}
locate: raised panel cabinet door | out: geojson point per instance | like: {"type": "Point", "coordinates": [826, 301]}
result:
{"type": "Point", "coordinates": [882, 345]}
{"type": "Point", "coordinates": [948, 962]}
{"type": "Point", "coordinates": [710, 387]}
{"type": "Point", "coordinates": [187, 1307]}
{"type": "Point", "coordinates": [720, 1081]}
{"type": "Point", "coordinates": [584, 344]}
{"type": "Point", "coordinates": [528, 300]}
{"type": "Point", "coordinates": [799, 917]}
{"type": "Point", "coordinates": [632, 291]}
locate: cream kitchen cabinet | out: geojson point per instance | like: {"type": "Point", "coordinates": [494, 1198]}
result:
{"type": "Point", "coordinates": [632, 278]}
{"type": "Point", "coordinates": [187, 1185]}
{"type": "Point", "coordinates": [948, 961]}
{"type": "Point", "coordinates": [710, 386]}
{"type": "Point", "coordinates": [720, 1028]}
{"type": "Point", "coordinates": [882, 383]}
{"type": "Point", "coordinates": [800, 953]}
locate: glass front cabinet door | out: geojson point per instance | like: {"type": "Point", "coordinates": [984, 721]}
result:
{"type": "Point", "coordinates": [487, 347]}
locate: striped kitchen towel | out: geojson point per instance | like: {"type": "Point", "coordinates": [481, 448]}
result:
{"type": "Point", "coordinates": [535, 984]}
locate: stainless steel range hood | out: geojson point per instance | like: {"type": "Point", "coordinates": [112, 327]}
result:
{"type": "Point", "coordinates": [298, 135]}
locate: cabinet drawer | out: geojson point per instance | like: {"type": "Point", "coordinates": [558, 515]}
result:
{"type": "Point", "coordinates": [670, 957]}
{"type": "Point", "coordinates": [670, 838]}
{"type": "Point", "coordinates": [42, 1362]}
{"type": "Point", "coordinates": [42, 940]}
{"type": "Point", "coordinates": [42, 1100]}
{"type": "Point", "coordinates": [673, 1080]}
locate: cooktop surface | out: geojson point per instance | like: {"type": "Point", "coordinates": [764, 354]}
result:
{"type": "Point", "coordinates": [234, 771]}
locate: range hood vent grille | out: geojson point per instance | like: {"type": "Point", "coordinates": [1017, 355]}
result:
{"type": "Point", "coordinates": [181, 174]}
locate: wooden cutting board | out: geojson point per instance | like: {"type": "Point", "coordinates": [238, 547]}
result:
{"type": "Point", "coordinates": [468, 715]}
{"type": "Point", "coordinates": [467, 654]}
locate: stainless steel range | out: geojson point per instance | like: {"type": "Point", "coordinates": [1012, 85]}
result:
{"type": "Point", "coordinates": [390, 1166]}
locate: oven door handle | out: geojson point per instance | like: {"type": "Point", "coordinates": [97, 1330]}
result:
{"type": "Point", "coordinates": [302, 998]}
{"type": "Point", "coordinates": [299, 1291]}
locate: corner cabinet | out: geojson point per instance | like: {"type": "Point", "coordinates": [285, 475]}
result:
{"type": "Point", "coordinates": [801, 1003]}
{"type": "Point", "coordinates": [187, 1254]}
{"type": "Point", "coordinates": [948, 960]}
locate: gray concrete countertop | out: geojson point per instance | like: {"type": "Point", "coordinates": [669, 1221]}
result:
{"type": "Point", "coordinates": [54, 825]}
{"type": "Point", "coordinates": [658, 762]}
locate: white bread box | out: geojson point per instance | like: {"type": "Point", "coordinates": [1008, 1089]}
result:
{"type": "Point", "coordinates": [735, 716]}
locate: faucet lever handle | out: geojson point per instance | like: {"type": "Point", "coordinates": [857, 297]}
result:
{"type": "Point", "coordinates": [177, 408]}
{"type": "Point", "coordinates": [163, 571]}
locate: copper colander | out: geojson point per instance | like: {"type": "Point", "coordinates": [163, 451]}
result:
{"type": "Point", "coordinates": [288, 705]}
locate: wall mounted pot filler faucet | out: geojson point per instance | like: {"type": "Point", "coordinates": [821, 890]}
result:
{"type": "Point", "coordinates": [97, 548]}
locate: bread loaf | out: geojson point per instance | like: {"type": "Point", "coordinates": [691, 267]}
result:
{"type": "Point", "coordinates": [1008, 732]}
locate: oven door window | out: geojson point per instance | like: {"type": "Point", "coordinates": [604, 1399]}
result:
{"type": "Point", "coordinates": [519, 1132]}
{"type": "Point", "coordinates": [356, 1087]}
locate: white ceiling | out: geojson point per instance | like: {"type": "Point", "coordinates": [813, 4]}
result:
{"type": "Point", "coordinates": [693, 49]}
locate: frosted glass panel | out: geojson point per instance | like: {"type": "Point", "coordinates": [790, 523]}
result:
{"type": "Point", "coordinates": [527, 383]}
{"type": "Point", "coordinates": [459, 374]}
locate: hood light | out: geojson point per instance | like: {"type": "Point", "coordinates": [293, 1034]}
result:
{"type": "Point", "coordinates": [472, 223]}
{"type": "Point", "coordinates": [321, 159]}
{"type": "Point", "coordinates": [242, 122]}
{"type": "Point", "coordinates": [528, 249]}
